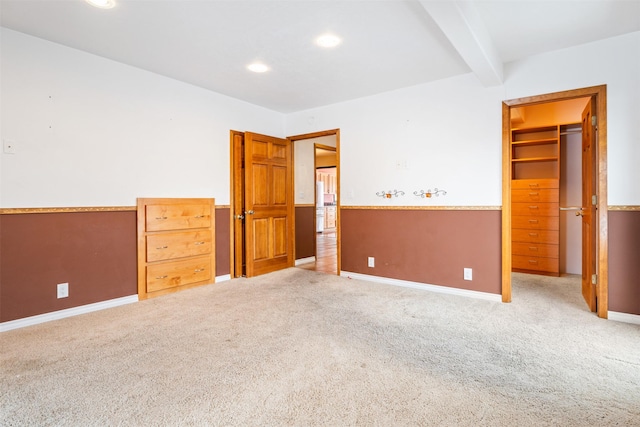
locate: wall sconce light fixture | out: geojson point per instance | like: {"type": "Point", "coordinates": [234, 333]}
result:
{"type": "Point", "coordinates": [430, 193]}
{"type": "Point", "coordinates": [389, 194]}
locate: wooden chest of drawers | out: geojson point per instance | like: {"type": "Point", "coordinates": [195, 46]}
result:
{"type": "Point", "coordinates": [175, 245]}
{"type": "Point", "coordinates": [535, 226]}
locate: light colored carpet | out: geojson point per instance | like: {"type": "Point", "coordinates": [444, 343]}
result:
{"type": "Point", "coordinates": [302, 348]}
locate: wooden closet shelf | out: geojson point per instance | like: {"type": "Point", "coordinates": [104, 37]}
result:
{"type": "Point", "coordinates": [535, 142]}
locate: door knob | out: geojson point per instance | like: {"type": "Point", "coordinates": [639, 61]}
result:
{"type": "Point", "coordinates": [249, 212]}
{"type": "Point", "coordinates": [579, 213]}
{"type": "Point", "coordinates": [238, 216]}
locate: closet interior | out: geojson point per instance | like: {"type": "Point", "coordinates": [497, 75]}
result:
{"type": "Point", "coordinates": [546, 188]}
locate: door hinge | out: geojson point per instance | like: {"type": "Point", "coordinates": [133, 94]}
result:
{"type": "Point", "coordinates": [594, 200]}
{"type": "Point", "coordinates": [594, 120]}
{"type": "Point", "coordinates": [594, 279]}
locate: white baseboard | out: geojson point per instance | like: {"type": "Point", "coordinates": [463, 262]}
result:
{"type": "Point", "coordinates": [423, 286]}
{"type": "Point", "coordinates": [624, 317]}
{"type": "Point", "coordinates": [305, 260]}
{"type": "Point", "coordinates": [69, 312]}
{"type": "Point", "coordinates": [223, 278]}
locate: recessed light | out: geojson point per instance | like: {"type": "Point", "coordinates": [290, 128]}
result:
{"type": "Point", "coordinates": [102, 4]}
{"type": "Point", "coordinates": [258, 67]}
{"type": "Point", "coordinates": [328, 40]}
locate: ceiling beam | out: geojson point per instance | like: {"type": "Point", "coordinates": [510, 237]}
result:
{"type": "Point", "coordinates": [461, 23]}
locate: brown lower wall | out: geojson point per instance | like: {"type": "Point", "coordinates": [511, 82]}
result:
{"type": "Point", "coordinates": [624, 261]}
{"type": "Point", "coordinates": [223, 242]}
{"type": "Point", "coordinates": [425, 246]}
{"type": "Point", "coordinates": [305, 232]}
{"type": "Point", "coordinates": [95, 252]}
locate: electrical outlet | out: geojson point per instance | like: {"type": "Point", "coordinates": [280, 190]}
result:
{"type": "Point", "coordinates": [63, 290]}
{"type": "Point", "coordinates": [468, 274]}
{"type": "Point", "coordinates": [371, 262]}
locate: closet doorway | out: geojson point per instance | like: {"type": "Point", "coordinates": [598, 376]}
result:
{"type": "Point", "coordinates": [554, 190]}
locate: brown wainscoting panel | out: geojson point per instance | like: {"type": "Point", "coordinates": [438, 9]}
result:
{"type": "Point", "coordinates": [222, 240]}
{"type": "Point", "coordinates": [425, 246]}
{"type": "Point", "coordinates": [305, 231]}
{"type": "Point", "coordinates": [95, 252]}
{"type": "Point", "coordinates": [624, 261]}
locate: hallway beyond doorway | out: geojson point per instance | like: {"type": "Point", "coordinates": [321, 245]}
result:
{"type": "Point", "coordinates": [326, 253]}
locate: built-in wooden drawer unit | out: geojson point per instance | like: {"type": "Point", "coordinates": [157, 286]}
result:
{"type": "Point", "coordinates": [535, 249]}
{"type": "Point", "coordinates": [535, 236]}
{"type": "Point", "coordinates": [534, 184]}
{"type": "Point", "coordinates": [175, 245]}
{"type": "Point", "coordinates": [535, 264]}
{"type": "Point", "coordinates": [179, 273]}
{"type": "Point", "coordinates": [535, 209]}
{"type": "Point", "coordinates": [162, 217]}
{"type": "Point", "coordinates": [178, 245]}
{"type": "Point", "coordinates": [536, 222]}
{"type": "Point", "coordinates": [537, 195]}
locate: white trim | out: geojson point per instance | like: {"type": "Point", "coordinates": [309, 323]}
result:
{"type": "Point", "coordinates": [223, 278]}
{"type": "Point", "coordinates": [623, 317]}
{"type": "Point", "coordinates": [305, 260]}
{"type": "Point", "coordinates": [69, 312]}
{"type": "Point", "coordinates": [424, 286]}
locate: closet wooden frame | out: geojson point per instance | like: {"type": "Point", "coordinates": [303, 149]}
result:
{"type": "Point", "coordinates": [600, 95]}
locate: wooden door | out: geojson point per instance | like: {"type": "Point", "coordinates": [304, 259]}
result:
{"type": "Point", "coordinates": [588, 212]}
{"type": "Point", "coordinates": [269, 215]}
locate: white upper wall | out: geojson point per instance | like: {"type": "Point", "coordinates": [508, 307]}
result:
{"type": "Point", "coordinates": [444, 135]}
{"type": "Point", "coordinates": [92, 132]}
{"type": "Point", "coordinates": [89, 131]}
{"type": "Point", "coordinates": [447, 134]}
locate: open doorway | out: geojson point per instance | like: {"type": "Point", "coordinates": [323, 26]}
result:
{"type": "Point", "coordinates": [554, 190]}
{"type": "Point", "coordinates": [317, 177]}
{"type": "Point", "coordinates": [326, 206]}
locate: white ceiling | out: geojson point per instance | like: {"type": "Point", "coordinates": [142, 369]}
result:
{"type": "Point", "coordinates": [386, 45]}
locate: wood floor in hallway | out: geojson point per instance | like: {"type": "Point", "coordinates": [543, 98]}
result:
{"type": "Point", "coordinates": [326, 253]}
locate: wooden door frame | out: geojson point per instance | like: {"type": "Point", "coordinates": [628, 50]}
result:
{"type": "Point", "coordinates": [330, 132]}
{"type": "Point", "coordinates": [232, 201]}
{"type": "Point", "coordinates": [601, 223]}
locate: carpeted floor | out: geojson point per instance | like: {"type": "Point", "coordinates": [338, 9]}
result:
{"type": "Point", "coordinates": [302, 348]}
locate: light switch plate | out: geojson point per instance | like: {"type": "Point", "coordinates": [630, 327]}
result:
{"type": "Point", "coordinates": [468, 274]}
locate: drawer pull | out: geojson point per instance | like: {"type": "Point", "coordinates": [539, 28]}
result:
{"type": "Point", "coordinates": [533, 248]}
{"type": "Point", "coordinates": [533, 261]}
{"type": "Point", "coordinates": [534, 194]}
{"type": "Point", "coordinates": [199, 270]}
{"type": "Point", "coordinates": [199, 216]}
{"type": "Point", "coordinates": [159, 218]}
{"type": "Point", "coordinates": [533, 234]}
{"type": "Point", "coordinates": [534, 185]}
{"type": "Point", "coordinates": [162, 277]}
{"type": "Point", "coordinates": [162, 247]}
{"type": "Point", "coordinates": [533, 221]}
{"type": "Point", "coordinates": [533, 207]}
{"type": "Point", "coordinates": [198, 243]}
